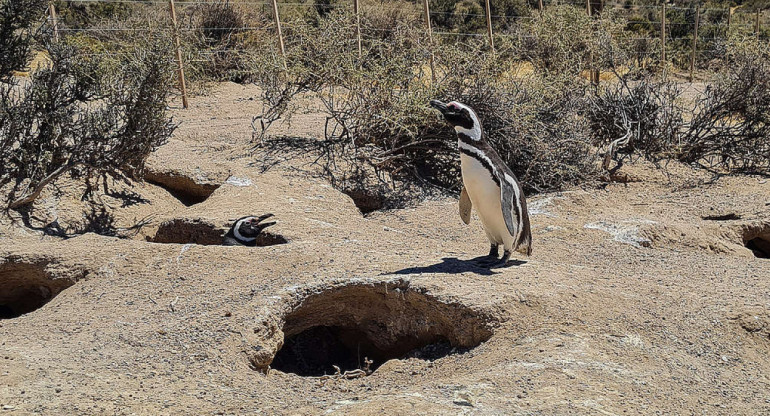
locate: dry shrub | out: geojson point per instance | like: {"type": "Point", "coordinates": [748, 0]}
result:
{"type": "Point", "coordinates": [17, 18]}
{"type": "Point", "coordinates": [65, 121]}
{"type": "Point", "coordinates": [564, 40]}
{"type": "Point", "coordinates": [647, 112]}
{"type": "Point", "coordinates": [730, 126]}
{"type": "Point", "coordinates": [379, 120]}
{"type": "Point", "coordinates": [726, 129]}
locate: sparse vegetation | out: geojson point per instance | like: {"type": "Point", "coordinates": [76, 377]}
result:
{"type": "Point", "coordinates": [17, 18]}
{"type": "Point", "coordinates": [71, 117]}
{"type": "Point", "coordinates": [730, 126]}
{"type": "Point", "coordinates": [726, 129]}
{"type": "Point", "coordinates": [532, 94]}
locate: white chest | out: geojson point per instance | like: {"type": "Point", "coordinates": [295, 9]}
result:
{"type": "Point", "coordinates": [482, 189]}
{"type": "Point", "coordinates": [484, 194]}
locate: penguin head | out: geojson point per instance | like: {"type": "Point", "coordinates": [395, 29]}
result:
{"type": "Point", "coordinates": [246, 229]}
{"type": "Point", "coordinates": [461, 117]}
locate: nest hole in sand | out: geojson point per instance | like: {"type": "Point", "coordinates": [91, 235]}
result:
{"type": "Point", "coordinates": [26, 287]}
{"type": "Point", "coordinates": [196, 231]}
{"type": "Point", "coordinates": [345, 325]}
{"type": "Point", "coordinates": [756, 238]}
{"type": "Point", "coordinates": [366, 201]}
{"type": "Point", "coordinates": [183, 188]}
{"type": "Point", "coordinates": [760, 246]}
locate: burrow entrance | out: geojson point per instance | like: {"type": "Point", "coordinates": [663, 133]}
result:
{"type": "Point", "coordinates": [181, 187]}
{"type": "Point", "coordinates": [344, 326]}
{"type": "Point", "coordinates": [25, 287]}
{"type": "Point", "coordinates": [367, 201]}
{"type": "Point", "coordinates": [756, 237]}
{"type": "Point", "coordinates": [760, 246]}
{"type": "Point", "coordinates": [203, 232]}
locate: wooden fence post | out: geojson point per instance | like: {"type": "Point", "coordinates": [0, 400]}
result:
{"type": "Point", "coordinates": [593, 73]}
{"type": "Point", "coordinates": [756, 24]}
{"type": "Point", "coordinates": [358, 26]}
{"type": "Point", "coordinates": [540, 6]}
{"type": "Point", "coordinates": [489, 27]}
{"type": "Point", "coordinates": [694, 43]}
{"type": "Point", "coordinates": [280, 33]}
{"type": "Point", "coordinates": [54, 23]}
{"type": "Point", "coordinates": [180, 67]}
{"type": "Point", "coordinates": [663, 35]}
{"type": "Point", "coordinates": [430, 40]}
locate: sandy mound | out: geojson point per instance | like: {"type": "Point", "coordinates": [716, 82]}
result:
{"type": "Point", "coordinates": [648, 297]}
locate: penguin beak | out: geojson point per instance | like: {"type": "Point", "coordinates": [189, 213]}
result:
{"type": "Point", "coordinates": [259, 225]}
{"type": "Point", "coordinates": [438, 105]}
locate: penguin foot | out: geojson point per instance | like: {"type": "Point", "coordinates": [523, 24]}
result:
{"type": "Point", "coordinates": [490, 258]}
{"type": "Point", "coordinates": [503, 261]}
{"type": "Point", "coordinates": [486, 261]}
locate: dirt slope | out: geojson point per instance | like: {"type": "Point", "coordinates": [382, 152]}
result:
{"type": "Point", "coordinates": [639, 298]}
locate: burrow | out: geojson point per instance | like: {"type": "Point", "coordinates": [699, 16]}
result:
{"type": "Point", "coordinates": [343, 325]}
{"type": "Point", "coordinates": [204, 232]}
{"type": "Point", "coordinates": [756, 237]}
{"type": "Point", "coordinates": [367, 201]}
{"type": "Point", "coordinates": [27, 286]}
{"type": "Point", "coordinates": [185, 189]}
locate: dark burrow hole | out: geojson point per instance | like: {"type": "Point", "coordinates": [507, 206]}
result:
{"type": "Point", "coordinates": [26, 287]}
{"type": "Point", "coordinates": [196, 231]}
{"type": "Point", "coordinates": [315, 351]}
{"type": "Point", "coordinates": [182, 188]}
{"type": "Point", "coordinates": [756, 237]}
{"type": "Point", "coordinates": [760, 247]}
{"type": "Point", "coordinates": [366, 200]}
{"type": "Point", "coordinates": [344, 326]}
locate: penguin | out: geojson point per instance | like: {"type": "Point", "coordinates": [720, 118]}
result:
{"type": "Point", "coordinates": [489, 186]}
{"type": "Point", "coordinates": [245, 230]}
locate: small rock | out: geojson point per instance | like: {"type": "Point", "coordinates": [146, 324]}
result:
{"type": "Point", "coordinates": [8, 407]}
{"type": "Point", "coordinates": [236, 181]}
{"type": "Point", "coordinates": [463, 398]}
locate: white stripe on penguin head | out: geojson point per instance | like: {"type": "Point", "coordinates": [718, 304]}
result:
{"type": "Point", "coordinates": [474, 132]}
{"type": "Point", "coordinates": [237, 233]}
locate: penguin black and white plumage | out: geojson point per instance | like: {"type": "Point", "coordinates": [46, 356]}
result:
{"type": "Point", "coordinates": [245, 230]}
{"type": "Point", "coordinates": [489, 186]}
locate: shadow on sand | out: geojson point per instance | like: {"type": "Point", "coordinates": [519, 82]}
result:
{"type": "Point", "coordinates": [453, 265]}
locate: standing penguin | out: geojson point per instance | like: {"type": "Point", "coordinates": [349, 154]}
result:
{"type": "Point", "coordinates": [245, 230]}
{"type": "Point", "coordinates": [489, 185]}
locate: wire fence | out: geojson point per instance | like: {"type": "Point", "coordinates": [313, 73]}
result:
{"type": "Point", "coordinates": [672, 35]}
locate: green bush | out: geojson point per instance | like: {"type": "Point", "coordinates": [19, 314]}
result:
{"type": "Point", "coordinates": [17, 18]}
{"type": "Point", "coordinates": [564, 40]}
{"type": "Point", "coordinates": [85, 15]}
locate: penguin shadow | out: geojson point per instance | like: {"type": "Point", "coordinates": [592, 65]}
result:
{"type": "Point", "coordinates": [453, 265]}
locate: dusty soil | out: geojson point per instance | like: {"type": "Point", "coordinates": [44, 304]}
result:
{"type": "Point", "coordinates": [639, 297]}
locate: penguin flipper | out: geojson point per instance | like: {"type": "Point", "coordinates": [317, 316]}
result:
{"type": "Point", "coordinates": [465, 206]}
{"type": "Point", "coordinates": [229, 241]}
{"type": "Point", "coordinates": [508, 203]}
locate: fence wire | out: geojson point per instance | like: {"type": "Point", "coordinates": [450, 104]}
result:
{"type": "Point", "coordinates": [711, 30]}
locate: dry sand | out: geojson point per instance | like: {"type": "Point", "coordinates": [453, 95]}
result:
{"type": "Point", "coordinates": [639, 298]}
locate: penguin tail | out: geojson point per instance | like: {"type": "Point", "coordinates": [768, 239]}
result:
{"type": "Point", "coordinates": [525, 243]}
{"type": "Point", "coordinates": [525, 247]}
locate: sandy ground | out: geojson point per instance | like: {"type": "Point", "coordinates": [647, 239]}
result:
{"type": "Point", "coordinates": [639, 298]}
